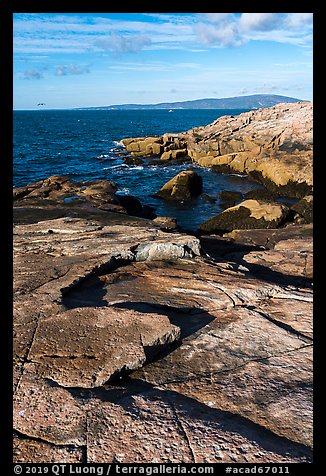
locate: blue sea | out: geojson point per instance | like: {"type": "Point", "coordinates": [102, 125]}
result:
{"type": "Point", "coordinates": [84, 145]}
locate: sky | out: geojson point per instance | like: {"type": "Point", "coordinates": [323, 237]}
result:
{"type": "Point", "coordinates": [73, 60]}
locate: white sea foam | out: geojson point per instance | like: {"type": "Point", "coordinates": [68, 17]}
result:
{"type": "Point", "coordinates": [238, 175]}
{"type": "Point", "coordinates": [117, 142]}
{"type": "Point", "coordinates": [123, 191]}
{"type": "Point", "coordinates": [136, 167]}
{"type": "Point", "coordinates": [103, 156]}
{"type": "Point", "coordinates": [120, 166]}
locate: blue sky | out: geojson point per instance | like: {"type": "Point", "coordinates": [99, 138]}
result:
{"type": "Point", "coordinates": [83, 59]}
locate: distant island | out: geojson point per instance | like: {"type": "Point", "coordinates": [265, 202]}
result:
{"type": "Point", "coordinates": [255, 101]}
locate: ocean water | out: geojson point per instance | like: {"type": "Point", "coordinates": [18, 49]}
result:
{"type": "Point", "coordinates": [83, 144]}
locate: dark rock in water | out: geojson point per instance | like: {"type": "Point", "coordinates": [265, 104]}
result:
{"type": "Point", "coordinates": [184, 186]}
{"type": "Point", "coordinates": [230, 195]}
{"type": "Point", "coordinates": [227, 204]}
{"type": "Point", "coordinates": [131, 204]}
{"type": "Point", "coordinates": [133, 161]}
{"type": "Point", "coordinates": [134, 206]}
{"type": "Point", "coordinates": [304, 208]}
{"type": "Point", "coordinates": [246, 215]}
{"type": "Point", "coordinates": [148, 212]}
{"type": "Point", "coordinates": [261, 194]}
{"type": "Point", "coordinates": [229, 198]}
{"type": "Point", "coordinates": [207, 198]}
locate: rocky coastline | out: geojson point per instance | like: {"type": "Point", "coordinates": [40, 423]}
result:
{"type": "Point", "coordinates": [137, 342]}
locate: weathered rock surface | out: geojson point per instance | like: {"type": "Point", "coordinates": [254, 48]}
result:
{"type": "Point", "coordinates": [129, 346]}
{"type": "Point", "coordinates": [247, 215]}
{"type": "Point", "coordinates": [184, 186]}
{"type": "Point", "coordinates": [273, 145]}
{"type": "Point", "coordinates": [26, 450]}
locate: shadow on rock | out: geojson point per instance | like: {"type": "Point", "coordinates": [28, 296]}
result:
{"type": "Point", "coordinates": [190, 320]}
{"type": "Point", "coordinates": [92, 294]}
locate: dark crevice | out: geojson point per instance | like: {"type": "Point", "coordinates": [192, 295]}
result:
{"type": "Point", "coordinates": [92, 277]}
{"type": "Point", "coordinates": [69, 357]}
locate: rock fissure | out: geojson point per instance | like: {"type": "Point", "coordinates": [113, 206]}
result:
{"type": "Point", "coordinates": [184, 432]}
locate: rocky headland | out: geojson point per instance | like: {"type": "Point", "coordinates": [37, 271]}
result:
{"type": "Point", "coordinates": [137, 342]}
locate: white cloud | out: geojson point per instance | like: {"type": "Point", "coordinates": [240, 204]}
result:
{"type": "Point", "coordinates": [297, 20]}
{"type": "Point", "coordinates": [233, 30]}
{"type": "Point", "coordinates": [70, 33]}
{"type": "Point", "coordinates": [64, 70]}
{"type": "Point", "coordinates": [31, 73]}
{"type": "Point", "coordinates": [121, 44]}
{"type": "Point", "coordinates": [217, 17]}
{"type": "Point", "coordinates": [260, 21]}
{"type": "Point", "coordinates": [226, 35]}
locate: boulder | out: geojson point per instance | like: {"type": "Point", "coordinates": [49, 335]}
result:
{"type": "Point", "coordinates": [131, 204]}
{"type": "Point", "coordinates": [227, 204]}
{"type": "Point", "coordinates": [246, 215]}
{"type": "Point", "coordinates": [102, 186]}
{"type": "Point", "coordinates": [304, 208]}
{"type": "Point", "coordinates": [133, 160]}
{"type": "Point", "coordinates": [207, 198]}
{"type": "Point", "coordinates": [184, 186]}
{"type": "Point", "coordinates": [229, 198]}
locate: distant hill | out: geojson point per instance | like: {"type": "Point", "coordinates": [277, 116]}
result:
{"type": "Point", "coordinates": [255, 101]}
